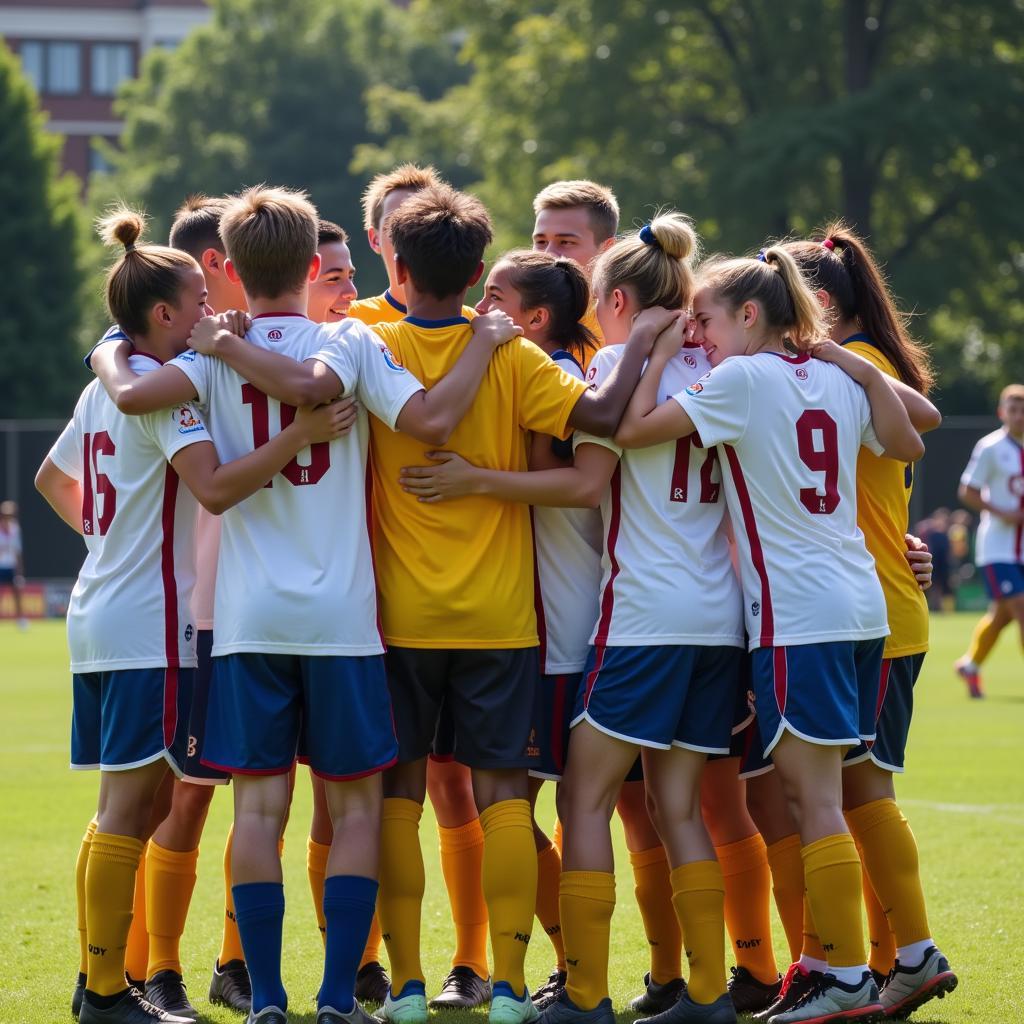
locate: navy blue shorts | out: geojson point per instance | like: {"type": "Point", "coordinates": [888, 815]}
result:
{"type": "Point", "coordinates": [265, 708]}
{"type": "Point", "coordinates": [894, 707]}
{"type": "Point", "coordinates": [824, 693]}
{"type": "Point", "coordinates": [130, 718]}
{"type": "Point", "coordinates": [556, 699]}
{"type": "Point", "coordinates": [443, 747]}
{"type": "Point", "coordinates": [194, 770]}
{"type": "Point", "coordinates": [6, 577]}
{"type": "Point", "coordinates": [662, 696]}
{"type": "Point", "coordinates": [1003, 579]}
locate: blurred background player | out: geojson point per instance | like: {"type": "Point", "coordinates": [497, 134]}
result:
{"type": "Point", "coordinates": [12, 567]}
{"type": "Point", "coordinates": [993, 484]}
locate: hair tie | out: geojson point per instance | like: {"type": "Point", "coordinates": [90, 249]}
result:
{"type": "Point", "coordinates": [762, 256]}
{"type": "Point", "coordinates": [130, 247]}
{"type": "Point", "coordinates": [828, 244]}
{"type": "Point", "coordinates": [647, 236]}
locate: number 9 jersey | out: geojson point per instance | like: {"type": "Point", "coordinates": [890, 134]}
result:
{"type": "Point", "coordinates": [789, 430]}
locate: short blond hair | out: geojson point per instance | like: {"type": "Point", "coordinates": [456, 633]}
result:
{"type": "Point", "coordinates": [599, 202]}
{"type": "Point", "coordinates": [270, 235]}
{"type": "Point", "coordinates": [410, 177]}
{"type": "Point", "coordinates": [1011, 393]}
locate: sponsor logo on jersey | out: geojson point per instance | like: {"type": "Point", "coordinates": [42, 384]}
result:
{"type": "Point", "coordinates": [274, 335]}
{"type": "Point", "coordinates": [188, 632]}
{"type": "Point", "coordinates": [801, 373]}
{"type": "Point", "coordinates": [755, 608]}
{"type": "Point", "coordinates": [188, 356]}
{"type": "Point", "coordinates": [186, 419]}
{"type": "Point", "coordinates": [695, 389]}
{"type": "Point", "coordinates": [390, 359]}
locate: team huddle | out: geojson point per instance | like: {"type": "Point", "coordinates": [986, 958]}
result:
{"type": "Point", "coordinates": [636, 525]}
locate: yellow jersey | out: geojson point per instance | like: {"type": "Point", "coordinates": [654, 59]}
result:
{"type": "Point", "coordinates": [590, 321]}
{"type": "Point", "coordinates": [883, 496]}
{"type": "Point", "coordinates": [386, 309]}
{"type": "Point", "coordinates": [460, 574]}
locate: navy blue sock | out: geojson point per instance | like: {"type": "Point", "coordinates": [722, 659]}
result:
{"type": "Point", "coordinates": [348, 908]}
{"type": "Point", "coordinates": [259, 911]}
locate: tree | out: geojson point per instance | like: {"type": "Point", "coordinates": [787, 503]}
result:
{"type": "Point", "coordinates": [40, 370]}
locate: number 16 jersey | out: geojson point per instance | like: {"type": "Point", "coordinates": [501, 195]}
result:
{"type": "Point", "coordinates": [789, 430]}
{"type": "Point", "coordinates": [295, 574]}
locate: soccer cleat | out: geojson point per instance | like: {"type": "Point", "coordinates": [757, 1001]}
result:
{"type": "Point", "coordinates": [834, 1000]}
{"type": "Point", "coordinates": [795, 985]}
{"type": "Point", "coordinates": [657, 998]}
{"type": "Point", "coordinates": [372, 983]}
{"type": "Point", "coordinates": [357, 1015]}
{"type": "Point", "coordinates": [131, 1007]}
{"type": "Point", "coordinates": [564, 1011]}
{"type": "Point", "coordinates": [911, 987]}
{"type": "Point", "coordinates": [686, 1011]}
{"type": "Point", "coordinates": [750, 995]}
{"type": "Point", "coordinates": [77, 995]}
{"type": "Point", "coordinates": [550, 990]}
{"type": "Point", "coordinates": [268, 1015]}
{"type": "Point", "coordinates": [409, 1007]}
{"type": "Point", "coordinates": [463, 989]}
{"type": "Point", "coordinates": [230, 986]}
{"type": "Point", "coordinates": [972, 677]}
{"type": "Point", "coordinates": [508, 1008]}
{"type": "Point", "coordinates": [166, 989]}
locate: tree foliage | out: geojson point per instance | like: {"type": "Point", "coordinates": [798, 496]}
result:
{"type": "Point", "coordinates": [40, 289]}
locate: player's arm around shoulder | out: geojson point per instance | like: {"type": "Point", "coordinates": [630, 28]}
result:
{"type": "Point", "coordinates": [133, 393]}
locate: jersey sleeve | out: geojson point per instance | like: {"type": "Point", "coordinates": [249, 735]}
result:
{"type": "Point", "coordinates": [547, 394]}
{"type": "Point", "coordinates": [979, 468]}
{"type": "Point", "coordinates": [384, 385]}
{"type": "Point", "coordinates": [66, 453]}
{"type": "Point", "coordinates": [868, 437]}
{"type": "Point", "coordinates": [198, 368]}
{"type": "Point", "coordinates": [601, 366]}
{"type": "Point", "coordinates": [719, 403]}
{"type": "Point", "coordinates": [176, 428]}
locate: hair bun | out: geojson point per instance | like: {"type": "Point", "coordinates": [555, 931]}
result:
{"type": "Point", "coordinates": [122, 226]}
{"type": "Point", "coordinates": [675, 235]}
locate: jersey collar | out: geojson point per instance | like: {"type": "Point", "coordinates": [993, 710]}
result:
{"type": "Point", "coordinates": [451, 321]}
{"type": "Point", "coordinates": [859, 336]}
{"type": "Point", "coordinates": [393, 302]}
{"type": "Point", "coordinates": [265, 316]}
{"type": "Point", "coordinates": [800, 357]}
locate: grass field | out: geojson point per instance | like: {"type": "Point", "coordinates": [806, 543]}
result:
{"type": "Point", "coordinates": [962, 793]}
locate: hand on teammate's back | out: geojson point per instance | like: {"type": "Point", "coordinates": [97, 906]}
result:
{"type": "Point", "coordinates": [919, 558]}
{"type": "Point", "coordinates": [327, 422]}
{"type": "Point", "coordinates": [496, 328]}
{"type": "Point", "coordinates": [210, 329]}
{"type": "Point", "coordinates": [451, 477]}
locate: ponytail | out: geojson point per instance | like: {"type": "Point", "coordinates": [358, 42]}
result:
{"type": "Point", "coordinates": [144, 274]}
{"type": "Point", "coordinates": [842, 265]}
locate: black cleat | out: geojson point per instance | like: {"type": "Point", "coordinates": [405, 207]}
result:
{"type": "Point", "coordinates": [564, 1011]}
{"type": "Point", "coordinates": [657, 998]}
{"type": "Point", "coordinates": [550, 990]}
{"type": "Point", "coordinates": [166, 989]}
{"type": "Point", "coordinates": [795, 985]}
{"type": "Point", "coordinates": [463, 989]}
{"type": "Point", "coordinates": [78, 995]}
{"type": "Point", "coordinates": [230, 986]}
{"type": "Point", "coordinates": [372, 983]}
{"type": "Point", "coordinates": [750, 995]}
{"type": "Point", "coordinates": [685, 1011]}
{"type": "Point", "coordinates": [131, 1007]}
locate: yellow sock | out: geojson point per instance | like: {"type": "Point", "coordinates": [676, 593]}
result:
{"type": "Point", "coordinates": [586, 902]}
{"type": "Point", "coordinates": [80, 866]}
{"type": "Point", "coordinates": [983, 639]}
{"type": "Point", "coordinates": [811, 945]}
{"type": "Point", "coordinates": [787, 867]}
{"type": "Point", "coordinates": [653, 891]}
{"type": "Point", "coordinates": [230, 941]}
{"type": "Point", "coordinates": [890, 860]}
{"type": "Point", "coordinates": [136, 955]}
{"type": "Point", "coordinates": [881, 943]}
{"type": "Point", "coordinates": [109, 888]}
{"type": "Point", "coordinates": [556, 836]}
{"type": "Point", "coordinates": [462, 855]}
{"type": "Point", "coordinates": [747, 882]}
{"type": "Point", "coordinates": [316, 870]}
{"type": "Point", "coordinates": [400, 898]}
{"type": "Point", "coordinates": [549, 873]}
{"type": "Point", "coordinates": [510, 886]}
{"type": "Point", "coordinates": [698, 895]}
{"type": "Point", "coordinates": [832, 873]}
{"type": "Point", "coordinates": [371, 952]}
{"type": "Point", "coordinates": [170, 879]}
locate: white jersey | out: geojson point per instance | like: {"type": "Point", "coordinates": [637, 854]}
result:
{"type": "Point", "coordinates": [130, 606]}
{"type": "Point", "coordinates": [667, 574]}
{"type": "Point", "coordinates": [295, 573]}
{"type": "Point", "coordinates": [10, 545]}
{"type": "Point", "coordinates": [568, 546]}
{"type": "Point", "coordinates": [997, 470]}
{"type": "Point", "coordinates": [789, 430]}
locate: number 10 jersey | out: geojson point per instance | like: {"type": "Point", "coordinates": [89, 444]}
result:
{"type": "Point", "coordinates": [789, 430]}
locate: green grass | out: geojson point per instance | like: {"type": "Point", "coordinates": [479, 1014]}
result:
{"type": "Point", "coordinates": [962, 793]}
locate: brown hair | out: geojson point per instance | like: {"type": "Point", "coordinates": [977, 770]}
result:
{"type": "Point", "coordinates": [405, 176]}
{"type": "Point", "coordinates": [329, 233]}
{"type": "Point", "coordinates": [196, 225]}
{"type": "Point", "coordinates": [558, 285]}
{"type": "Point", "coordinates": [842, 265]}
{"type": "Point", "coordinates": [270, 235]}
{"type": "Point", "coordinates": [658, 270]}
{"type": "Point", "coordinates": [600, 203]}
{"type": "Point", "coordinates": [775, 283]}
{"type": "Point", "coordinates": [144, 274]}
{"type": "Point", "coordinates": [440, 235]}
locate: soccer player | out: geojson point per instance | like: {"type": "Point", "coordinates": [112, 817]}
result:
{"type": "Point", "coordinates": [333, 292]}
{"type": "Point", "coordinates": [789, 430]}
{"type": "Point", "coordinates": [115, 479]}
{"type": "Point", "coordinates": [993, 484]}
{"type": "Point", "coordinates": [12, 569]}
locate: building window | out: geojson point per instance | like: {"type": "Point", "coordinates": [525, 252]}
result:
{"type": "Point", "coordinates": [98, 161]}
{"type": "Point", "coordinates": [33, 63]}
{"type": "Point", "coordinates": [112, 63]}
{"type": "Point", "coordinates": [63, 69]}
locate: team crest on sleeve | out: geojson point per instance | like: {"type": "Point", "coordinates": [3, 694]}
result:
{"type": "Point", "coordinates": [390, 359]}
{"type": "Point", "coordinates": [1017, 486]}
{"type": "Point", "coordinates": [186, 420]}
